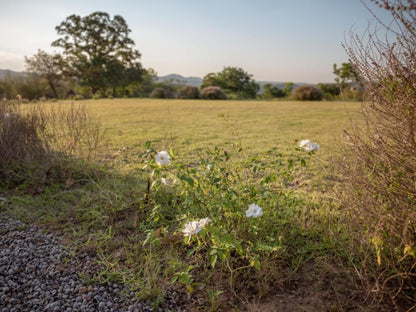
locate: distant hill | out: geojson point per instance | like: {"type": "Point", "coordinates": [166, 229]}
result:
{"type": "Point", "coordinates": [10, 73]}
{"type": "Point", "coordinates": [178, 79]}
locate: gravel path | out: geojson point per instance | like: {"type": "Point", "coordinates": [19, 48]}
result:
{"type": "Point", "coordinates": [38, 274]}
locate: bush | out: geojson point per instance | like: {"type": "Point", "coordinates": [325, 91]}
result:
{"type": "Point", "coordinates": [160, 93]}
{"type": "Point", "coordinates": [307, 93]}
{"type": "Point", "coordinates": [213, 93]}
{"type": "Point", "coordinates": [379, 159]}
{"type": "Point", "coordinates": [188, 92]}
{"type": "Point", "coordinates": [37, 140]}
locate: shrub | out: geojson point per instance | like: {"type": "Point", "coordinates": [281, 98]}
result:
{"type": "Point", "coordinates": [379, 158]}
{"type": "Point", "coordinates": [307, 93]}
{"type": "Point", "coordinates": [37, 140]}
{"type": "Point", "coordinates": [213, 93]}
{"type": "Point", "coordinates": [188, 92]}
{"type": "Point", "coordinates": [160, 93]}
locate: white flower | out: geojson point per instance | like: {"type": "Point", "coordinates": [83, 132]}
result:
{"type": "Point", "coordinates": [309, 146]}
{"type": "Point", "coordinates": [254, 211]}
{"type": "Point", "coordinates": [303, 143]}
{"type": "Point", "coordinates": [313, 147]}
{"type": "Point", "coordinates": [162, 158]}
{"type": "Point", "coordinates": [191, 228]}
{"type": "Point", "coordinates": [204, 222]}
{"type": "Point", "coordinates": [165, 181]}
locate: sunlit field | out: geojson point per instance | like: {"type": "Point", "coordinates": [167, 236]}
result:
{"type": "Point", "coordinates": [189, 126]}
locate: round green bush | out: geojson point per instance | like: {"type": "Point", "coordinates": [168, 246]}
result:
{"type": "Point", "coordinates": [160, 93]}
{"type": "Point", "coordinates": [213, 93]}
{"type": "Point", "coordinates": [307, 93]}
{"type": "Point", "coordinates": [188, 92]}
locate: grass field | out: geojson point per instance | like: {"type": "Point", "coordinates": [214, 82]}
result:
{"type": "Point", "coordinates": [190, 126]}
{"type": "Point", "coordinates": [133, 220]}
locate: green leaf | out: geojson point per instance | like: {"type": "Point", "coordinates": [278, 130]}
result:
{"type": "Point", "coordinates": [190, 252]}
{"type": "Point", "coordinates": [238, 249]}
{"type": "Point", "coordinates": [148, 144]}
{"type": "Point", "coordinates": [188, 179]}
{"type": "Point", "coordinates": [213, 260]}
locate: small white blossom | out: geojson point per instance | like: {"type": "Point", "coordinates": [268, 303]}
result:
{"type": "Point", "coordinates": [308, 146]}
{"type": "Point", "coordinates": [162, 158]}
{"type": "Point", "coordinates": [191, 228]}
{"type": "Point", "coordinates": [165, 181]}
{"type": "Point", "coordinates": [204, 222]}
{"type": "Point", "coordinates": [303, 143]}
{"type": "Point", "coordinates": [254, 211]}
{"type": "Point", "coordinates": [313, 147]}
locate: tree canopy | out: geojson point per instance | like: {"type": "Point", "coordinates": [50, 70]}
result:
{"type": "Point", "coordinates": [234, 80]}
{"type": "Point", "coordinates": [345, 75]}
{"type": "Point", "coordinates": [98, 51]}
{"type": "Point", "coordinates": [47, 66]}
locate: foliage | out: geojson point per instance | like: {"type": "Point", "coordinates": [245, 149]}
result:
{"type": "Point", "coordinates": [188, 92]}
{"type": "Point", "coordinates": [161, 93]}
{"type": "Point", "coordinates": [345, 76]}
{"type": "Point", "coordinates": [306, 93]}
{"type": "Point", "coordinates": [47, 66]}
{"type": "Point", "coordinates": [330, 90]}
{"type": "Point", "coordinates": [144, 87]}
{"type": "Point", "coordinates": [270, 91]}
{"type": "Point", "coordinates": [98, 51]}
{"type": "Point", "coordinates": [234, 81]}
{"type": "Point", "coordinates": [288, 88]}
{"type": "Point", "coordinates": [213, 93]}
{"type": "Point", "coordinates": [36, 141]}
{"type": "Point", "coordinates": [379, 159]}
{"type": "Point", "coordinates": [218, 193]}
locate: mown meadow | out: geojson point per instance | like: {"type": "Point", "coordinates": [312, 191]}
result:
{"type": "Point", "coordinates": [233, 214]}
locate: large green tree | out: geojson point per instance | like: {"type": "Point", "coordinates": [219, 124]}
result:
{"type": "Point", "coordinates": [98, 51]}
{"type": "Point", "coordinates": [234, 80]}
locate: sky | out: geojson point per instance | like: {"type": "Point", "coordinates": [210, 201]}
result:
{"type": "Point", "coordinates": [274, 40]}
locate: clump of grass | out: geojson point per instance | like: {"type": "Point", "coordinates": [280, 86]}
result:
{"type": "Point", "coordinates": [37, 141]}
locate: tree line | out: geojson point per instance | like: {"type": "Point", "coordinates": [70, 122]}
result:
{"type": "Point", "coordinates": [98, 59]}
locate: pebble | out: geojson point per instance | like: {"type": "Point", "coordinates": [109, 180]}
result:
{"type": "Point", "coordinates": [33, 278]}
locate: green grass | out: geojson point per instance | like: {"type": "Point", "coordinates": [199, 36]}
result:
{"type": "Point", "coordinates": [189, 126]}
{"type": "Point", "coordinates": [133, 222]}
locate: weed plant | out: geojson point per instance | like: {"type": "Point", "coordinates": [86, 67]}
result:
{"type": "Point", "coordinates": [379, 159]}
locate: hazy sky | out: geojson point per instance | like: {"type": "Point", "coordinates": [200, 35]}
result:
{"type": "Point", "coordinates": [275, 40]}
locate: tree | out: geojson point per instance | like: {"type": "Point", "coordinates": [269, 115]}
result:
{"type": "Point", "coordinates": [234, 81]}
{"type": "Point", "coordinates": [330, 90]}
{"type": "Point", "coordinates": [345, 75]}
{"type": "Point", "coordinates": [98, 50]}
{"type": "Point", "coordinates": [270, 91]}
{"type": "Point", "coordinates": [288, 88]}
{"type": "Point", "coordinates": [48, 66]}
